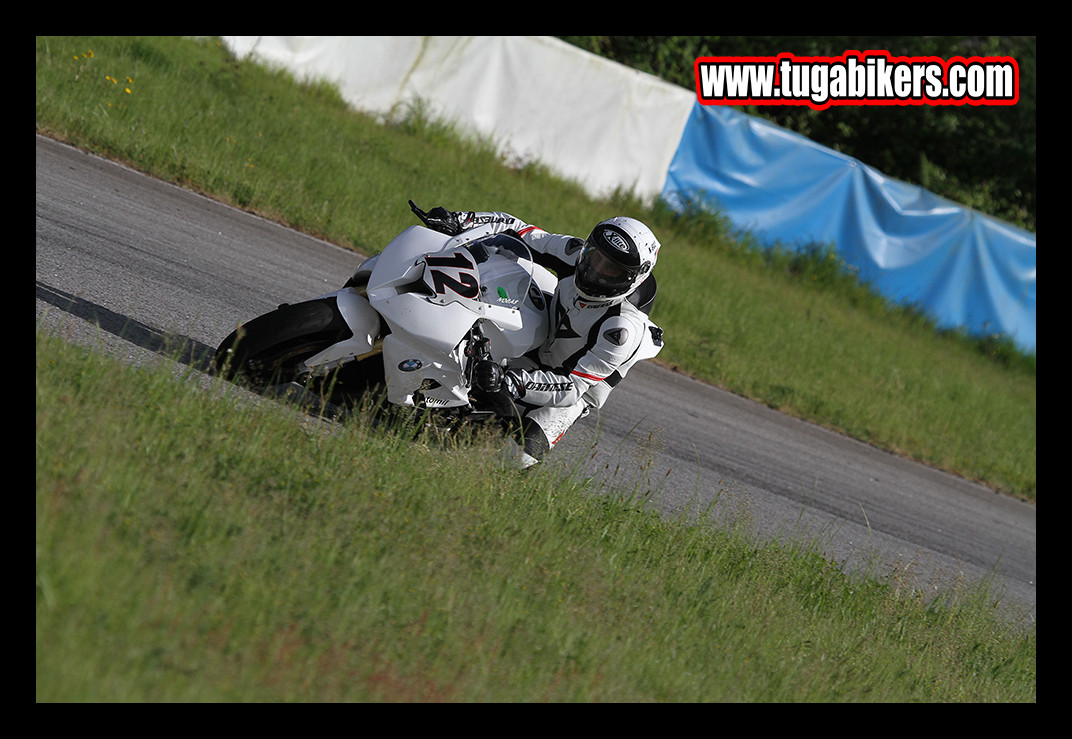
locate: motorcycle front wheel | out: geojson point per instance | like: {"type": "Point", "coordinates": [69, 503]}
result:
{"type": "Point", "coordinates": [271, 350]}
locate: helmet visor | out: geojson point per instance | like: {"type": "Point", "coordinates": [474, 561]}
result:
{"type": "Point", "coordinates": [599, 276]}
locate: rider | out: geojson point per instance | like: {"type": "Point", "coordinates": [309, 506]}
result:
{"type": "Point", "coordinates": [599, 323]}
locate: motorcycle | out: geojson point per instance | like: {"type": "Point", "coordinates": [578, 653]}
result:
{"type": "Point", "coordinates": [411, 323]}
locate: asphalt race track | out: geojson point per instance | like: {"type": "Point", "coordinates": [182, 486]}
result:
{"type": "Point", "coordinates": [138, 265]}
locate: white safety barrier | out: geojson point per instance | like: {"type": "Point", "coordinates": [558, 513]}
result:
{"type": "Point", "coordinates": [537, 98]}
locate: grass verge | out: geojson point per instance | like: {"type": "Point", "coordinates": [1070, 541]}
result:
{"type": "Point", "coordinates": [199, 547]}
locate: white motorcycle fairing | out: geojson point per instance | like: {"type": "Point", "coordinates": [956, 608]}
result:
{"type": "Point", "coordinates": [362, 320]}
{"type": "Point", "coordinates": [431, 292]}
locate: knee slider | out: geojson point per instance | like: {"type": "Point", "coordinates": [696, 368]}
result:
{"type": "Point", "coordinates": [535, 441]}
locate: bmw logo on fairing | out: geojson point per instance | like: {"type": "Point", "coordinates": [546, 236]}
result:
{"type": "Point", "coordinates": [410, 365]}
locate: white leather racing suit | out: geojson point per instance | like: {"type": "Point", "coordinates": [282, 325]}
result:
{"type": "Point", "coordinates": [590, 346]}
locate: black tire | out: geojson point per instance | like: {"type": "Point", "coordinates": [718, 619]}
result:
{"type": "Point", "coordinates": [269, 349]}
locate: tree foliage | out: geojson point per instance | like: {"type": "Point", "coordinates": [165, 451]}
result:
{"type": "Point", "coordinates": [980, 156]}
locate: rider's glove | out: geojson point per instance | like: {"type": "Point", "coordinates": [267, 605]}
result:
{"type": "Point", "coordinates": [442, 220]}
{"type": "Point", "coordinates": [490, 377]}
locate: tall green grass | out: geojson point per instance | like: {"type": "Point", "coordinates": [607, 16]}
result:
{"type": "Point", "coordinates": [794, 331]}
{"type": "Point", "coordinates": [195, 545]}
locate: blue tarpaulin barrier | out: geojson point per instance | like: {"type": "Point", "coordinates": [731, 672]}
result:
{"type": "Point", "coordinates": [964, 269]}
